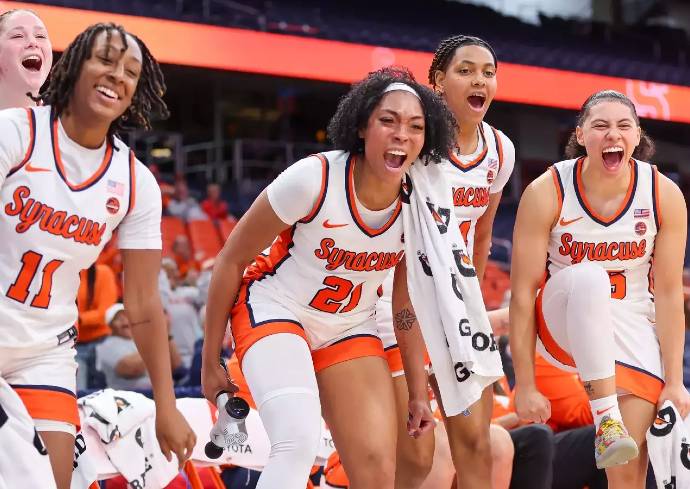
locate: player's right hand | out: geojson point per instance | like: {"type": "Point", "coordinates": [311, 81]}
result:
{"type": "Point", "coordinates": [214, 379]}
{"type": "Point", "coordinates": [531, 405]}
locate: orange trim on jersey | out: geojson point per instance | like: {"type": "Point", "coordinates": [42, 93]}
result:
{"type": "Point", "coordinates": [468, 166]}
{"type": "Point", "coordinates": [132, 182]}
{"type": "Point", "coordinates": [267, 264]}
{"type": "Point", "coordinates": [245, 333]}
{"type": "Point", "coordinates": [499, 147]}
{"type": "Point", "coordinates": [49, 404]}
{"type": "Point", "coordinates": [322, 193]}
{"type": "Point", "coordinates": [559, 188]}
{"type": "Point", "coordinates": [655, 193]}
{"type": "Point", "coordinates": [32, 141]}
{"type": "Point", "coordinates": [545, 336]}
{"type": "Point", "coordinates": [582, 196]}
{"type": "Point", "coordinates": [357, 346]}
{"type": "Point", "coordinates": [640, 383]}
{"type": "Point", "coordinates": [352, 203]}
{"type": "Point", "coordinates": [107, 157]}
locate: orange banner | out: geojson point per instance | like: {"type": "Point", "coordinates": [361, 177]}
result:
{"type": "Point", "coordinates": [243, 50]}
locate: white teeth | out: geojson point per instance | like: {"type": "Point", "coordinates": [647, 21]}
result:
{"type": "Point", "coordinates": [33, 57]}
{"type": "Point", "coordinates": [477, 94]}
{"type": "Point", "coordinates": [107, 92]}
{"type": "Point", "coordinates": [397, 152]}
{"type": "Point", "coordinates": [613, 149]}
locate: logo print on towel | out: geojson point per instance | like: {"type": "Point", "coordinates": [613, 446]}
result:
{"type": "Point", "coordinates": [462, 373]}
{"type": "Point", "coordinates": [406, 189]}
{"type": "Point", "coordinates": [441, 216]}
{"type": "Point", "coordinates": [424, 260]}
{"type": "Point", "coordinates": [480, 341]}
{"type": "Point", "coordinates": [664, 422]}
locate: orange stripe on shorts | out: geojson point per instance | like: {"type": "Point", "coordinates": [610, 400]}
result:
{"type": "Point", "coordinates": [42, 402]}
{"type": "Point", "coordinates": [348, 349]}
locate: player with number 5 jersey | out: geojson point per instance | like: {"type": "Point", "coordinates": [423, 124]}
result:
{"type": "Point", "coordinates": [599, 243]}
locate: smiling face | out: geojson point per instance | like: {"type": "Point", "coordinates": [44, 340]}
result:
{"type": "Point", "coordinates": [26, 54]}
{"type": "Point", "coordinates": [108, 78]}
{"type": "Point", "coordinates": [469, 83]}
{"type": "Point", "coordinates": [610, 133]}
{"type": "Point", "coordinates": [394, 135]}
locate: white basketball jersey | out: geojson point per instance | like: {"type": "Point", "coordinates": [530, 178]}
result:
{"type": "Point", "coordinates": [330, 263]}
{"type": "Point", "coordinates": [623, 244]}
{"type": "Point", "coordinates": [471, 183]}
{"type": "Point", "coordinates": [53, 228]}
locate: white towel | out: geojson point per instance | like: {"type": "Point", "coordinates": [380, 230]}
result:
{"type": "Point", "coordinates": [668, 442]}
{"type": "Point", "coordinates": [445, 292]}
{"type": "Point", "coordinates": [125, 424]}
{"type": "Point", "coordinates": [84, 472]}
{"type": "Point", "coordinates": [24, 461]}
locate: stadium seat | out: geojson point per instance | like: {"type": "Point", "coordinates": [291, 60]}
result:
{"type": "Point", "coordinates": [171, 227]}
{"type": "Point", "coordinates": [225, 227]}
{"type": "Point", "coordinates": [204, 239]}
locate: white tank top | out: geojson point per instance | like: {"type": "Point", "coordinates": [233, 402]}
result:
{"type": "Point", "coordinates": [623, 244]}
{"type": "Point", "coordinates": [51, 229]}
{"type": "Point", "coordinates": [330, 263]}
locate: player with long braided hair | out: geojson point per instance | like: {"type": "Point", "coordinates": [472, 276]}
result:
{"type": "Point", "coordinates": [66, 183]}
{"type": "Point", "coordinates": [463, 71]}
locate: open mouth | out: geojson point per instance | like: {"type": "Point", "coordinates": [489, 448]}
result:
{"type": "Point", "coordinates": [394, 158]}
{"type": "Point", "coordinates": [32, 63]}
{"type": "Point", "coordinates": [612, 157]}
{"type": "Point", "coordinates": [476, 101]}
{"type": "Point", "coordinates": [107, 92]}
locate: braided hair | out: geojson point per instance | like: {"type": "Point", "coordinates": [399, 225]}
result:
{"type": "Point", "coordinates": [147, 101]}
{"type": "Point", "coordinates": [446, 50]}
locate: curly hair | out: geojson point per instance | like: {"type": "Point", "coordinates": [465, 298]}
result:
{"type": "Point", "coordinates": [355, 108]}
{"type": "Point", "coordinates": [147, 101]}
{"type": "Point", "coordinates": [446, 50]}
{"type": "Point", "coordinates": [644, 151]}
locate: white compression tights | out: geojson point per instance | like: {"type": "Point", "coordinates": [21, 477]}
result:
{"type": "Point", "coordinates": [281, 378]}
{"type": "Point", "coordinates": [577, 309]}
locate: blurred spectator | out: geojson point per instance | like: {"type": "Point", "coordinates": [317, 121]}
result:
{"type": "Point", "coordinates": [183, 205]}
{"type": "Point", "coordinates": [214, 206]}
{"type": "Point", "coordinates": [167, 190]}
{"type": "Point", "coordinates": [97, 292]}
{"type": "Point", "coordinates": [117, 356]}
{"type": "Point", "coordinates": [182, 303]}
{"type": "Point", "coordinates": [187, 266]}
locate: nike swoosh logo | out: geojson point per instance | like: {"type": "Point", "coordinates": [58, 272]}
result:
{"type": "Point", "coordinates": [563, 222]}
{"type": "Point", "coordinates": [31, 168]}
{"type": "Point", "coordinates": [602, 411]}
{"type": "Point", "coordinates": [328, 225]}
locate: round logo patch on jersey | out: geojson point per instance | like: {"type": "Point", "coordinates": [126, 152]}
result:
{"type": "Point", "coordinates": [113, 205]}
{"type": "Point", "coordinates": [490, 176]}
{"type": "Point", "coordinates": [640, 228]}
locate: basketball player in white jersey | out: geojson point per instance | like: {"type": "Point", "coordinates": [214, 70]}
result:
{"type": "Point", "coordinates": [303, 314]}
{"type": "Point", "coordinates": [607, 232]}
{"type": "Point", "coordinates": [26, 56]}
{"type": "Point", "coordinates": [463, 71]}
{"type": "Point", "coordinates": [66, 182]}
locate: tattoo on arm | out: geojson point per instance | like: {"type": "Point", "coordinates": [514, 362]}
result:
{"type": "Point", "coordinates": [404, 320]}
{"type": "Point", "coordinates": [139, 323]}
{"type": "Point", "coordinates": [589, 388]}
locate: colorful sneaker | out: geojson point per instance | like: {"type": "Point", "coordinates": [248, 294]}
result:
{"type": "Point", "coordinates": [613, 445]}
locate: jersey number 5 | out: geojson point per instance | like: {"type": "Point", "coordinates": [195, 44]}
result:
{"type": "Point", "coordinates": [19, 290]}
{"type": "Point", "coordinates": [336, 292]}
{"type": "Point", "coordinates": [618, 284]}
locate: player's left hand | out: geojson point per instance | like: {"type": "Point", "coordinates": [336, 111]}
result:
{"type": "Point", "coordinates": [678, 395]}
{"type": "Point", "coordinates": [174, 434]}
{"type": "Point", "coordinates": [420, 418]}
